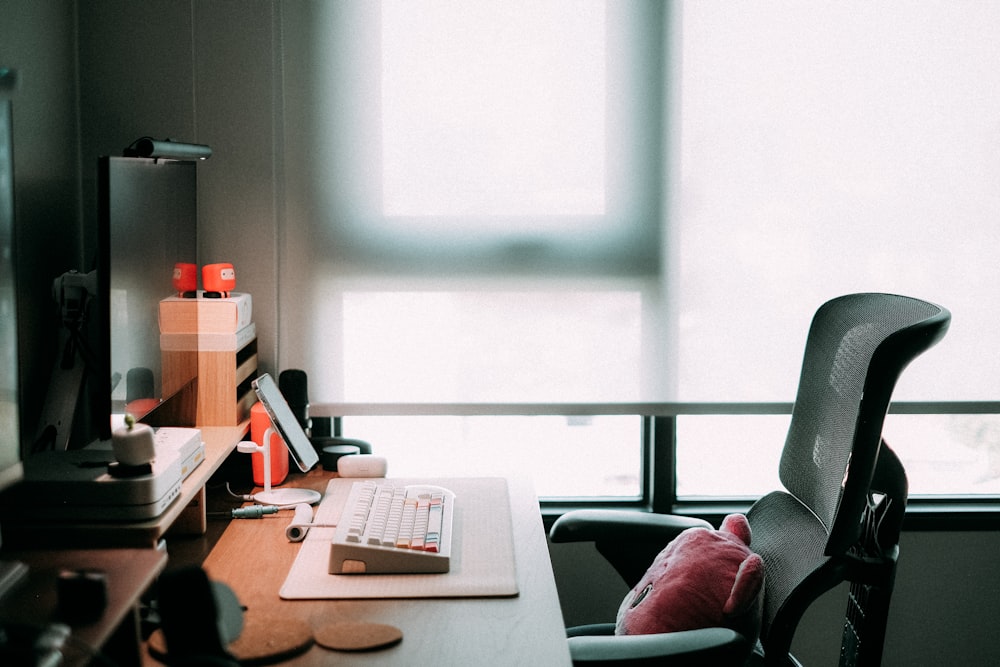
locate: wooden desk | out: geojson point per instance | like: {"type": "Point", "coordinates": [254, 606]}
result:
{"type": "Point", "coordinates": [253, 557]}
{"type": "Point", "coordinates": [116, 633]}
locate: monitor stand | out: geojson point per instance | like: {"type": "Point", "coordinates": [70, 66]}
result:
{"type": "Point", "coordinates": [271, 496]}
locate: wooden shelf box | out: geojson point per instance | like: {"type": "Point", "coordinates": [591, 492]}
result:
{"type": "Point", "coordinates": [225, 365]}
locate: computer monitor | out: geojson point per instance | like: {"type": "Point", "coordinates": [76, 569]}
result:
{"type": "Point", "coordinates": [11, 469]}
{"type": "Point", "coordinates": [147, 223]}
{"type": "Point", "coordinates": [109, 357]}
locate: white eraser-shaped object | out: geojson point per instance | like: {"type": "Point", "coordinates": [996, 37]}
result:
{"type": "Point", "coordinates": [362, 465]}
{"type": "Point", "coordinates": [134, 444]}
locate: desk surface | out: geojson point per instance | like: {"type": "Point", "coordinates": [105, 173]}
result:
{"type": "Point", "coordinates": [253, 557]}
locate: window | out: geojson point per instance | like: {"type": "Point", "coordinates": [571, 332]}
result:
{"type": "Point", "coordinates": [476, 138]}
{"type": "Point", "coordinates": [484, 114]}
{"type": "Point", "coordinates": [472, 213]}
{"type": "Point", "coordinates": [732, 169]}
{"type": "Point", "coordinates": [829, 149]}
{"type": "Point", "coordinates": [568, 457]}
{"type": "Point", "coordinates": [472, 199]}
{"type": "Point", "coordinates": [492, 346]}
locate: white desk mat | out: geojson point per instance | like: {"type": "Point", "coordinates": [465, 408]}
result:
{"type": "Point", "coordinates": [482, 550]}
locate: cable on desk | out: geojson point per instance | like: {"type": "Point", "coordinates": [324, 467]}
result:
{"type": "Point", "coordinates": [252, 498]}
{"type": "Point", "coordinates": [296, 532]}
{"type": "Point", "coordinates": [250, 512]}
{"type": "Point", "coordinates": [239, 496]}
{"type": "Point", "coordinates": [254, 511]}
{"type": "Point", "coordinates": [303, 521]}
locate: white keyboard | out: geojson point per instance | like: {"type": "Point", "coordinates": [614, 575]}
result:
{"type": "Point", "coordinates": [387, 528]}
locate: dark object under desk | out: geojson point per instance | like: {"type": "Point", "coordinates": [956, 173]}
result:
{"type": "Point", "coordinates": [114, 632]}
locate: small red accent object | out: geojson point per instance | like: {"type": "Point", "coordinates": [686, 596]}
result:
{"type": "Point", "coordinates": [220, 278]}
{"type": "Point", "coordinates": [259, 424]}
{"type": "Point", "coordinates": [185, 278]}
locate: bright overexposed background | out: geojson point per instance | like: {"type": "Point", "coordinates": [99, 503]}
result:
{"type": "Point", "coordinates": [511, 207]}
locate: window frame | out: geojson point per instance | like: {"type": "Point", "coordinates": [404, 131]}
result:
{"type": "Point", "coordinates": [972, 512]}
{"type": "Point", "coordinates": [339, 70]}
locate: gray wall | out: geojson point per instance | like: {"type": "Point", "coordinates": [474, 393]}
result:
{"type": "Point", "coordinates": [39, 40]}
{"type": "Point", "coordinates": [204, 72]}
{"type": "Point", "coordinates": [211, 72]}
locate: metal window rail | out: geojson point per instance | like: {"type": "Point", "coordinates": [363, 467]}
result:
{"type": "Point", "coordinates": [972, 512]}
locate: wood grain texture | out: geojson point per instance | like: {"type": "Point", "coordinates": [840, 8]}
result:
{"type": "Point", "coordinates": [253, 557]}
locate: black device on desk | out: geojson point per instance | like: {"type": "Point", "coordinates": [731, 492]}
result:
{"type": "Point", "coordinates": [294, 386]}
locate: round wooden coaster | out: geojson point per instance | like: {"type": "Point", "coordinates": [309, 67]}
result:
{"type": "Point", "coordinates": [265, 639]}
{"type": "Point", "coordinates": [269, 638]}
{"type": "Point", "coordinates": [341, 636]}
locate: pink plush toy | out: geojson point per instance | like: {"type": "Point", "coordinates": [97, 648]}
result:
{"type": "Point", "coordinates": [703, 578]}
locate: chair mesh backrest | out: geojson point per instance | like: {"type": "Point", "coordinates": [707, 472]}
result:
{"type": "Point", "coordinates": [790, 539]}
{"type": "Point", "coordinates": [856, 349]}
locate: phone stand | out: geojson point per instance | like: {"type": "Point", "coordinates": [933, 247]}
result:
{"type": "Point", "coordinates": [271, 496]}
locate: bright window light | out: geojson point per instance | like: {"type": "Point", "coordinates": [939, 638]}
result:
{"type": "Point", "coordinates": [497, 111]}
{"type": "Point", "coordinates": [597, 456]}
{"type": "Point", "coordinates": [833, 149]}
{"type": "Point", "coordinates": [825, 150]}
{"type": "Point", "coordinates": [955, 454]}
{"type": "Point", "coordinates": [492, 346]}
{"type": "Point", "coordinates": [480, 138]}
{"type": "Point", "coordinates": [728, 456]}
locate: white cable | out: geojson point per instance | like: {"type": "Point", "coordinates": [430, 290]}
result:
{"type": "Point", "coordinates": [296, 532]}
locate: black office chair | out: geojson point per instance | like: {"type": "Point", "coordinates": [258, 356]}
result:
{"type": "Point", "coordinates": [838, 521]}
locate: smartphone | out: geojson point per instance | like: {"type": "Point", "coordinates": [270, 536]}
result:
{"type": "Point", "coordinates": [284, 422]}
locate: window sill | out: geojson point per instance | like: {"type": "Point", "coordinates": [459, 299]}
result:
{"type": "Point", "coordinates": [922, 514]}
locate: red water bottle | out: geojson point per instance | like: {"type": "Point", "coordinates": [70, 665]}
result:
{"type": "Point", "coordinates": [259, 423]}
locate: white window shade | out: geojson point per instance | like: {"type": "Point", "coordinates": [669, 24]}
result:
{"type": "Point", "coordinates": [472, 200]}
{"type": "Point", "coordinates": [827, 149]}
{"type": "Point", "coordinates": [486, 116]}
{"type": "Point", "coordinates": [477, 137]}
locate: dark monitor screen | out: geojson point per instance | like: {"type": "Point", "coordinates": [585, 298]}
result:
{"type": "Point", "coordinates": [147, 224]}
{"type": "Point", "coordinates": [10, 431]}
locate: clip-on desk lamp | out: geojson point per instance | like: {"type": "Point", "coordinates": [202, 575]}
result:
{"type": "Point", "coordinates": [283, 423]}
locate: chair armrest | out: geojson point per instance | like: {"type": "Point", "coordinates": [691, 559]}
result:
{"type": "Point", "coordinates": [621, 525]}
{"type": "Point", "coordinates": [593, 629]}
{"type": "Point", "coordinates": [628, 540]}
{"type": "Point", "coordinates": [708, 646]}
